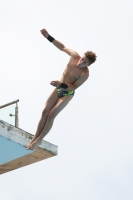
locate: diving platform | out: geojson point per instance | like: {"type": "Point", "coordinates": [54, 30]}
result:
{"type": "Point", "coordinates": [13, 152]}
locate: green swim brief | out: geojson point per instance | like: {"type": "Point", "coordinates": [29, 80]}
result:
{"type": "Point", "coordinates": [63, 93]}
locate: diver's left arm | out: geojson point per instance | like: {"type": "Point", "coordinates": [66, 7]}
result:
{"type": "Point", "coordinates": [78, 83]}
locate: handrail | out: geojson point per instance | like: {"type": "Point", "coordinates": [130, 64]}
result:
{"type": "Point", "coordinates": [16, 111]}
{"type": "Point", "coordinates": [8, 104]}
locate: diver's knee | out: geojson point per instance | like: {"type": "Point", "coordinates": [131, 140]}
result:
{"type": "Point", "coordinates": [45, 112]}
{"type": "Point", "coordinates": [52, 115]}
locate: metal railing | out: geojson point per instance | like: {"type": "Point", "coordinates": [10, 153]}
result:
{"type": "Point", "coordinates": [16, 111]}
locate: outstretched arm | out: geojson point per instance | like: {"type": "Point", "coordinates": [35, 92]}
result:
{"type": "Point", "coordinates": [59, 45]}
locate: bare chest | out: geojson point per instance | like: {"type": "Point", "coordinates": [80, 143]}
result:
{"type": "Point", "coordinates": [71, 73]}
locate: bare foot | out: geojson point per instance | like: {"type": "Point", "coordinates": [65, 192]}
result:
{"type": "Point", "coordinates": [33, 139]}
{"type": "Point", "coordinates": [33, 145]}
{"type": "Point", "coordinates": [28, 145]}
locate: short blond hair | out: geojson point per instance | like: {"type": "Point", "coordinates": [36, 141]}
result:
{"type": "Point", "coordinates": [91, 56]}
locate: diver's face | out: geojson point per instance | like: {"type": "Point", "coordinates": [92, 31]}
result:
{"type": "Point", "coordinates": [83, 62]}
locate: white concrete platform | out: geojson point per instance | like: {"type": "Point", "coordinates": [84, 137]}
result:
{"type": "Point", "coordinates": [13, 153]}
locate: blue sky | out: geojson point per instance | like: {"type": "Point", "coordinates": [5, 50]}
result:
{"type": "Point", "coordinates": [94, 132]}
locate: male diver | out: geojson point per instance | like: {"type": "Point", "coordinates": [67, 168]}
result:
{"type": "Point", "coordinates": [74, 75]}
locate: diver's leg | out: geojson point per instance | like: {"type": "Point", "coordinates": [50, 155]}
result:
{"type": "Point", "coordinates": [50, 103]}
{"type": "Point", "coordinates": [60, 105]}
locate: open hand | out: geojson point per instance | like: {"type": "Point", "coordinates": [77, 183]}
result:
{"type": "Point", "coordinates": [55, 83]}
{"type": "Point", "coordinates": [44, 32]}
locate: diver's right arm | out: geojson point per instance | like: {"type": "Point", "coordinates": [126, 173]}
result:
{"type": "Point", "coordinates": [59, 45]}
